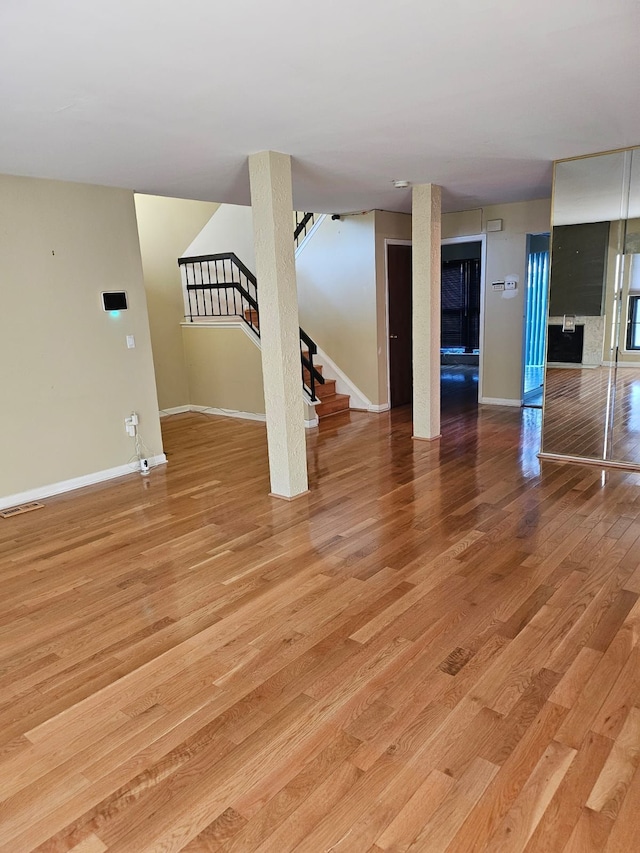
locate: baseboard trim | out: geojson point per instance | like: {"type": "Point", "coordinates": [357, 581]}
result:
{"type": "Point", "coordinates": [176, 410]}
{"type": "Point", "coordinates": [378, 407]}
{"type": "Point", "coordinates": [572, 365]}
{"type": "Point", "coordinates": [74, 483]}
{"type": "Point", "coordinates": [229, 413]}
{"type": "Point", "coordinates": [499, 401]}
{"type": "Point", "coordinates": [596, 463]}
{"type": "Point", "coordinates": [286, 498]}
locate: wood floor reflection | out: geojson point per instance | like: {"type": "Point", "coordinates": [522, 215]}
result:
{"type": "Point", "coordinates": [436, 649]}
{"type": "Point", "coordinates": [576, 405]}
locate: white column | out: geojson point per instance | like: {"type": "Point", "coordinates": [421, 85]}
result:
{"type": "Point", "coordinates": [426, 234]}
{"type": "Point", "coordinates": [272, 205]}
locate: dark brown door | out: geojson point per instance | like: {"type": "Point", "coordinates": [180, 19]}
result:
{"type": "Point", "coordinates": [400, 337]}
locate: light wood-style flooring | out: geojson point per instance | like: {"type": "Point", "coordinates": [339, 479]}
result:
{"type": "Point", "coordinates": [437, 649]}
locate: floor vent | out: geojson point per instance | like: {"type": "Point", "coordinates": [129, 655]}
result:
{"type": "Point", "coordinates": [18, 510]}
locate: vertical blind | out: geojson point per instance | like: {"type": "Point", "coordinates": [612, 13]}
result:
{"type": "Point", "coordinates": [537, 285]}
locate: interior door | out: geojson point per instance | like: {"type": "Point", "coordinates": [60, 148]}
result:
{"type": "Point", "coordinates": [400, 334]}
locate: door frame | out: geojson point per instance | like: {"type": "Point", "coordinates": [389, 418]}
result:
{"type": "Point", "coordinates": [526, 309]}
{"type": "Point", "coordinates": [471, 238]}
{"type": "Point", "coordinates": [389, 242]}
{"type": "Point", "coordinates": [476, 238]}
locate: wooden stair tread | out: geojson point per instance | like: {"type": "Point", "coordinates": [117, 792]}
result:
{"type": "Point", "coordinates": [332, 404]}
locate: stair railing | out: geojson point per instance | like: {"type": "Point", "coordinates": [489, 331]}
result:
{"type": "Point", "coordinates": [222, 286]}
{"type": "Point", "coordinates": [303, 223]}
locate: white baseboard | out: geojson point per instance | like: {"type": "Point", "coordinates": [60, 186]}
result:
{"type": "Point", "coordinates": [344, 385]}
{"type": "Point", "coordinates": [571, 365]}
{"type": "Point", "coordinates": [625, 364]}
{"type": "Point", "coordinates": [176, 410]}
{"type": "Point", "coordinates": [499, 401]}
{"type": "Point", "coordinates": [229, 413]}
{"type": "Point", "coordinates": [75, 483]}
{"type": "Point", "coordinates": [382, 407]}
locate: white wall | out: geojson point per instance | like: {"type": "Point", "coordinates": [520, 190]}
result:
{"type": "Point", "coordinates": [68, 378]}
{"type": "Point", "coordinates": [230, 229]}
{"type": "Point", "coordinates": [503, 310]}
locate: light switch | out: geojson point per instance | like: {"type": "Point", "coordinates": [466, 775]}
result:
{"type": "Point", "coordinates": [131, 342]}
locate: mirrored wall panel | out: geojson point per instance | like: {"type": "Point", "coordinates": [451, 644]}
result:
{"type": "Point", "coordinates": [592, 375]}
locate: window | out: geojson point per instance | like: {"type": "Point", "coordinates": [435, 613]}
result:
{"type": "Point", "coordinates": [633, 307]}
{"type": "Point", "coordinates": [633, 327]}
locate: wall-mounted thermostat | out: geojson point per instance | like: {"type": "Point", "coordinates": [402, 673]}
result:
{"type": "Point", "coordinates": [494, 225]}
{"type": "Point", "coordinates": [114, 300]}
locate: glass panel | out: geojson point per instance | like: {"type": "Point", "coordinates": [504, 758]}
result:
{"type": "Point", "coordinates": [625, 432]}
{"type": "Point", "coordinates": [584, 305]}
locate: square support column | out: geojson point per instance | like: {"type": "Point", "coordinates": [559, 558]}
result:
{"type": "Point", "coordinates": [426, 236]}
{"type": "Point", "coordinates": [272, 206]}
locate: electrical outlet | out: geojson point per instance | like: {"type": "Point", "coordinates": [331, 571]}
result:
{"type": "Point", "coordinates": [131, 424]}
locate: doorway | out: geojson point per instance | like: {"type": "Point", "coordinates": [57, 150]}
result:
{"type": "Point", "coordinates": [400, 334]}
{"type": "Point", "coordinates": [463, 272]}
{"type": "Point", "coordinates": [463, 264]}
{"type": "Point", "coordinates": [535, 319]}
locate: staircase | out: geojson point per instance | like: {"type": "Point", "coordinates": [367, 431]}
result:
{"type": "Point", "coordinates": [222, 286]}
{"type": "Point", "coordinates": [330, 402]}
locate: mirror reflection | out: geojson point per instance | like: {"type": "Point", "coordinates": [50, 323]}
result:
{"type": "Point", "coordinates": [592, 381]}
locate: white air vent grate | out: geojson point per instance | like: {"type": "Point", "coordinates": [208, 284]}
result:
{"type": "Point", "coordinates": [18, 510]}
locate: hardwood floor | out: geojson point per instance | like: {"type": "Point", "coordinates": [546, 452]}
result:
{"type": "Point", "coordinates": [437, 649]}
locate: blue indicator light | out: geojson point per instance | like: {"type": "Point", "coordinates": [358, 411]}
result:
{"type": "Point", "coordinates": [114, 313]}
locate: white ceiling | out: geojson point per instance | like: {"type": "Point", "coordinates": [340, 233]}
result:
{"type": "Point", "coordinates": [170, 97]}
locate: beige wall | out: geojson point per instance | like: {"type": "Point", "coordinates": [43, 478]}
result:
{"type": "Point", "coordinates": [68, 378]}
{"type": "Point", "coordinates": [224, 369]}
{"type": "Point", "coordinates": [167, 226]}
{"type": "Point", "coordinates": [336, 276]}
{"type": "Point", "coordinates": [503, 314]}
{"type": "Point", "coordinates": [388, 226]}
